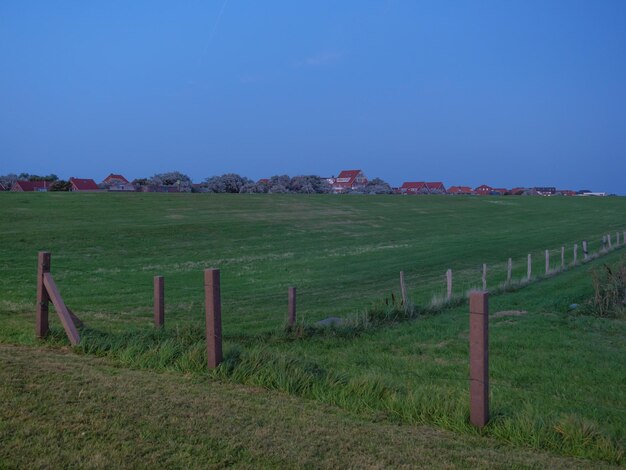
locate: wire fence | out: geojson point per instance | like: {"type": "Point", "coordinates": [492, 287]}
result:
{"type": "Point", "coordinates": [261, 297]}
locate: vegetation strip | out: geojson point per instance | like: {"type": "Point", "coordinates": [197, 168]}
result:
{"type": "Point", "coordinates": [63, 410]}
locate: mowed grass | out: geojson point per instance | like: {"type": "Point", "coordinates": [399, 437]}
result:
{"type": "Point", "coordinates": [342, 252]}
{"type": "Point", "coordinates": [68, 411]}
{"type": "Point", "coordinates": [557, 377]}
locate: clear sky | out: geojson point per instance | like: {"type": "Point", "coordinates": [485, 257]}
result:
{"type": "Point", "coordinates": [507, 93]}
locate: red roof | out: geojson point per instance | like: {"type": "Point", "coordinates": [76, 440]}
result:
{"type": "Point", "coordinates": [437, 185]}
{"type": "Point", "coordinates": [114, 178]}
{"type": "Point", "coordinates": [483, 189]}
{"type": "Point", "coordinates": [413, 185]}
{"type": "Point", "coordinates": [30, 185]}
{"type": "Point", "coordinates": [460, 190]}
{"type": "Point", "coordinates": [83, 184]}
{"type": "Point", "coordinates": [347, 179]}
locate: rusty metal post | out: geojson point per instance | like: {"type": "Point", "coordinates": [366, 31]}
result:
{"type": "Point", "coordinates": [291, 308]}
{"type": "Point", "coordinates": [43, 299]}
{"type": "Point", "coordinates": [159, 301]}
{"type": "Point", "coordinates": [479, 358]}
{"type": "Point", "coordinates": [449, 284]}
{"type": "Point", "coordinates": [213, 305]}
{"type": "Point", "coordinates": [547, 262]}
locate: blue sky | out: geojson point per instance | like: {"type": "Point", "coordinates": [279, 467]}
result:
{"type": "Point", "coordinates": [507, 93]}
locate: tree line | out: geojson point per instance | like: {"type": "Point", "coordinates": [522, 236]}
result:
{"type": "Point", "coordinates": [226, 183]}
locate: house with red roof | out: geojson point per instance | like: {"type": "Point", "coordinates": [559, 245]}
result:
{"type": "Point", "coordinates": [413, 187]}
{"type": "Point", "coordinates": [518, 191]}
{"type": "Point", "coordinates": [500, 191]}
{"type": "Point", "coordinates": [483, 190]}
{"type": "Point", "coordinates": [30, 186]}
{"type": "Point", "coordinates": [566, 192]}
{"type": "Point", "coordinates": [115, 179]}
{"type": "Point", "coordinates": [115, 182]}
{"type": "Point", "coordinates": [421, 187]}
{"type": "Point", "coordinates": [348, 180]}
{"type": "Point", "coordinates": [436, 187]}
{"type": "Point", "coordinates": [460, 190]}
{"type": "Point", "coordinates": [83, 185]}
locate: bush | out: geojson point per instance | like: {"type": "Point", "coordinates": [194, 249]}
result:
{"type": "Point", "coordinates": [609, 286]}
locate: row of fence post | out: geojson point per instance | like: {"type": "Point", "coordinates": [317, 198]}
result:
{"type": "Point", "coordinates": [213, 310]}
{"type": "Point", "coordinates": [606, 245]}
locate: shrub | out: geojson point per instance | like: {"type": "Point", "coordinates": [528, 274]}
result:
{"type": "Point", "coordinates": [609, 286]}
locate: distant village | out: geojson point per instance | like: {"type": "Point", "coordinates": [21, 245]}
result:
{"type": "Point", "coordinates": [347, 181]}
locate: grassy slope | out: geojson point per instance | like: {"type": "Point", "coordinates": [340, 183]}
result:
{"type": "Point", "coordinates": [557, 379]}
{"type": "Point", "coordinates": [341, 251]}
{"type": "Point", "coordinates": [63, 410]}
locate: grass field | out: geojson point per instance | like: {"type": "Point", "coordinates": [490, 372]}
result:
{"type": "Point", "coordinates": [342, 252]}
{"type": "Point", "coordinates": [557, 377]}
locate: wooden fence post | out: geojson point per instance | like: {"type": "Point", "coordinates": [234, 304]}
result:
{"type": "Point", "coordinates": [159, 301]}
{"type": "Point", "coordinates": [403, 290]}
{"type": "Point", "coordinates": [509, 271]}
{"type": "Point", "coordinates": [67, 318]}
{"type": "Point", "coordinates": [575, 253]}
{"type": "Point", "coordinates": [529, 269]}
{"type": "Point", "coordinates": [608, 239]}
{"type": "Point", "coordinates": [547, 261]}
{"type": "Point", "coordinates": [484, 276]}
{"type": "Point", "coordinates": [291, 306]}
{"type": "Point", "coordinates": [603, 243]}
{"type": "Point", "coordinates": [585, 252]}
{"type": "Point", "coordinates": [479, 358]}
{"type": "Point", "coordinates": [449, 282]}
{"type": "Point", "coordinates": [43, 300]}
{"type": "Point", "coordinates": [562, 257]}
{"type": "Point", "coordinates": [213, 305]}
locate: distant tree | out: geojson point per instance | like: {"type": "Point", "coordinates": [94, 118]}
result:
{"type": "Point", "coordinates": [279, 184]}
{"type": "Point", "coordinates": [308, 184]}
{"type": "Point", "coordinates": [376, 186]}
{"type": "Point", "coordinates": [60, 185]}
{"type": "Point", "coordinates": [227, 183]}
{"type": "Point", "coordinates": [141, 182]}
{"type": "Point", "coordinates": [172, 178]}
{"type": "Point", "coordinates": [278, 189]}
{"type": "Point", "coordinates": [28, 177]}
{"type": "Point", "coordinates": [8, 180]}
{"type": "Point", "coordinates": [252, 187]}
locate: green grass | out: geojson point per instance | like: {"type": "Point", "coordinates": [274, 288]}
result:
{"type": "Point", "coordinates": [68, 411]}
{"type": "Point", "coordinates": [342, 252]}
{"type": "Point", "coordinates": [557, 377]}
